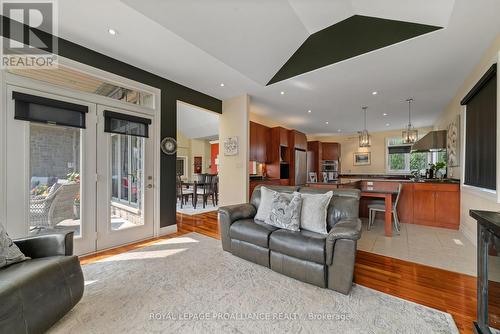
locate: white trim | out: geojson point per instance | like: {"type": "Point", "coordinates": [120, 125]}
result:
{"type": "Point", "coordinates": [3, 148]}
{"type": "Point", "coordinates": [168, 230]}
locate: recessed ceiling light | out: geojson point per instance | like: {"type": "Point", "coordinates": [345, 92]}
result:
{"type": "Point", "coordinates": [385, 114]}
{"type": "Point", "coordinates": [374, 93]}
{"type": "Point", "coordinates": [282, 93]}
{"type": "Point", "coordinates": [222, 84]}
{"type": "Point", "coordinates": [326, 122]}
{"type": "Point", "coordinates": [309, 111]}
{"type": "Point", "coordinates": [339, 130]}
{"type": "Point", "coordinates": [387, 124]}
{"type": "Point", "coordinates": [112, 31]}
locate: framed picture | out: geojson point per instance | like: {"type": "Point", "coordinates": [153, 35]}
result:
{"type": "Point", "coordinates": [362, 158]}
{"type": "Point", "coordinates": [453, 143]}
{"type": "Point", "coordinates": [313, 177]}
{"type": "Point", "coordinates": [231, 146]}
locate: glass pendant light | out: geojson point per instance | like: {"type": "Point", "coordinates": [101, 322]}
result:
{"type": "Point", "coordinates": [410, 134]}
{"type": "Point", "coordinates": [364, 136]}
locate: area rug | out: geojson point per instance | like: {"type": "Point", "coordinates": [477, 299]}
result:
{"type": "Point", "coordinates": [189, 285]}
{"type": "Point", "coordinates": [188, 209]}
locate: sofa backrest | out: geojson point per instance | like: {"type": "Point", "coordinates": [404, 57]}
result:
{"type": "Point", "coordinates": [344, 202]}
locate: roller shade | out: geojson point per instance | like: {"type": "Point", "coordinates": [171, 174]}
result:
{"type": "Point", "coordinates": [125, 124]}
{"type": "Point", "coordinates": [481, 132]}
{"type": "Point", "coordinates": [38, 109]}
{"type": "Point", "coordinates": [399, 149]}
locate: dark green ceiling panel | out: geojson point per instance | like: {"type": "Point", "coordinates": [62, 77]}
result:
{"type": "Point", "coordinates": [346, 39]}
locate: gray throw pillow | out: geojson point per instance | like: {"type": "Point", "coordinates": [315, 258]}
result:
{"type": "Point", "coordinates": [266, 199]}
{"type": "Point", "coordinates": [9, 252]}
{"type": "Point", "coordinates": [314, 211]}
{"type": "Point", "coordinates": [285, 211]}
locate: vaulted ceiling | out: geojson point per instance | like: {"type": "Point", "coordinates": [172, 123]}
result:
{"type": "Point", "coordinates": [243, 44]}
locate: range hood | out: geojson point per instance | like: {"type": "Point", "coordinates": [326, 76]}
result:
{"type": "Point", "coordinates": [433, 141]}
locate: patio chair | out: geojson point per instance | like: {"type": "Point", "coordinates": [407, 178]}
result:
{"type": "Point", "coordinates": [47, 212]}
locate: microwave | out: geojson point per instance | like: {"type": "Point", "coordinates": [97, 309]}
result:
{"type": "Point", "coordinates": [330, 166]}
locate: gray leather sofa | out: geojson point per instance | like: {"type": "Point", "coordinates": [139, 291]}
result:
{"type": "Point", "coordinates": [36, 293]}
{"type": "Point", "coordinates": [323, 260]}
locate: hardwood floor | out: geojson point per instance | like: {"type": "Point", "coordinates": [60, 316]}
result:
{"type": "Point", "coordinates": [440, 289]}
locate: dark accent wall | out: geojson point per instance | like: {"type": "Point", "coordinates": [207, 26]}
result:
{"type": "Point", "coordinates": [349, 38]}
{"type": "Point", "coordinates": [171, 92]}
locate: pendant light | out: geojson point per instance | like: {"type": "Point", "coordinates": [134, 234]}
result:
{"type": "Point", "coordinates": [410, 134]}
{"type": "Point", "coordinates": [364, 136]}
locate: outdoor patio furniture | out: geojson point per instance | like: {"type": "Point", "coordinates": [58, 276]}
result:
{"type": "Point", "coordinates": [58, 205]}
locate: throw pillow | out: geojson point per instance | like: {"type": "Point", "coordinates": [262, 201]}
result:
{"type": "Point", "coordinates": [285, 211]}
{"type": "Point", "coordinates": [314, 211]}
{"type": "Point", "coordinates": [9, 252]}
{"type": "Point", "coordinates": [266, 199]}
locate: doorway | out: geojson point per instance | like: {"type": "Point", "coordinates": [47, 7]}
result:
{"type": "Point", "coordinates": [197, 160]}
{"type": "Point", "coordinates": [76, 165]}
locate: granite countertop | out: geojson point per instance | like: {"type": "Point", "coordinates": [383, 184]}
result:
{"type": "Point", "coordinates": [443, 181]}
{"type": "Point", "coordinates": [338, 181]}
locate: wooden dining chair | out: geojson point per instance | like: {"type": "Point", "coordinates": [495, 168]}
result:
{"type": "Point", "coordinates": [183, 193]}
{"type": "Point", "coordinates": [380, 207]}
{"type": "Point", "coordinates": [207, 189]}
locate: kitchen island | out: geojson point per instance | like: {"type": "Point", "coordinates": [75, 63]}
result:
{"type": "Point", "coordinates": [427, 202]}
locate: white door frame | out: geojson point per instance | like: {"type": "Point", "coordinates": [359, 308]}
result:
{"type": "Point", "coordinates": [12, 79]}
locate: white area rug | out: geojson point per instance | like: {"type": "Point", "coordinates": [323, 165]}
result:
{"type": "Point", "coordinates": [188, 208]}
{"type": "Point", "coordinates": [189, 285]}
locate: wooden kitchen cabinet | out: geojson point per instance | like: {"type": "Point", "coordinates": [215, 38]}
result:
{"type": "Point", "coordinates": [298, 140]}
{"type": "Point", "coordinates": [330, 151]}
{"type": "Point", "coordinates": [437, 205]}
{"type": "Point", "coordinates": [259, 138]}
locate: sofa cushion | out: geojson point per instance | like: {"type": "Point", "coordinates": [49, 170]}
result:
{"type": "Point", "coordinates": [314, 209]}
{"type": "Point", "coordinates": [252, 231]}
{"type": "Point", "coordinates": [305, 245]}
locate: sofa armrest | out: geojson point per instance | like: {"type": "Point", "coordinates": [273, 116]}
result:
{"type": "Point", "coordinates": [60, 243]}
{"type": "Point", "coordinates": [230, 214]}
{"type": "Point", "coordinates": [349, 229]}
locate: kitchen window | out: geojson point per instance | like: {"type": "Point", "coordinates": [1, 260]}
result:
{"type": "Point", "coordinates": [401, 160]}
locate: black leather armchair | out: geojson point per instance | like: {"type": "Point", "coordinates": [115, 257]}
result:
{"type": "Point", "coordinates": [36, 293]}
{"type": "Point", "coordinates": [323, 260]}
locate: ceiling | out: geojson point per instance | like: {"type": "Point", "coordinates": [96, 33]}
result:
{"type": "Point", "coordinates": [243, 44]}
{"type": "Point", "coordinates": [197, 123]}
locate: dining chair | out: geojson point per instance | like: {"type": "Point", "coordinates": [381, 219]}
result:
{"type": "Point", "coordinates": [380, 207]}
{"type": "Point", "coordinates": [183, 193]}
{"type": "Point", "coordinates": [207, 189]}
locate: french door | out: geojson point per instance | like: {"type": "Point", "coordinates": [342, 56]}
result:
{"type": "Point", "coordinates": [125, 169]}
{"type": "Point", "coordinates": [93, 179]}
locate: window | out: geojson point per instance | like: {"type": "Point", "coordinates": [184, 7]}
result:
{"type": "Point", "coordinates": [127, 169]}
{"type": "Point", "coordinates": [400, 159]}
{"type": "Point", "coordinates": [181, 166]}
{"type": "Point", "coordinates": [481, 133]}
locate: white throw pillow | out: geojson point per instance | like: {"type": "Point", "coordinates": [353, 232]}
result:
{"type": "Point", "coordinates": [266, 203]}
{"type": "Point", "coordinates": [314, 211]}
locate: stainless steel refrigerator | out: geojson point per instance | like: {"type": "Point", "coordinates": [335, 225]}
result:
{"type": "Point", "coordinates": [300, 167]}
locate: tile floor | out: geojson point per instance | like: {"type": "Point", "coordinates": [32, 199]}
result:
{"type": "Point", "coordinates": [432, 246]}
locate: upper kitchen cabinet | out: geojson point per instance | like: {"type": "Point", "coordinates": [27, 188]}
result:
{"type": "Point", "coordinates": [330, 151]}
{"type": "Point", "coordinates": [259, 138]}
{"type": "Point", "coordinates": [298, 139]}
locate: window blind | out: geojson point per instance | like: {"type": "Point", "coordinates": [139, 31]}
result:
{"type": "Point", "coordinates": [481, 132]}
{"type": "Point", "coordinates": [125, 124]}
{"type": "Point", "coordinates": [39, 109]}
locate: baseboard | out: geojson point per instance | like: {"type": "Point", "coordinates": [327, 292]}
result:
{"type": "Point", "coordinates": [168, 229]}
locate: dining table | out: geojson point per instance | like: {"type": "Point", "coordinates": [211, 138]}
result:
{"type": "Point", "coordinates": [194, 184]}
{"type": "Point", "coordinates": [387, 196]}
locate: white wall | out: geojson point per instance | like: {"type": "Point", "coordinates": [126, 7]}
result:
{"type": "Point", "coordinates": [233, 170]}
{"type": "Point", "coordinates": [349, 144]}
{"type": "Point", "coordinates": [470, 198]}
